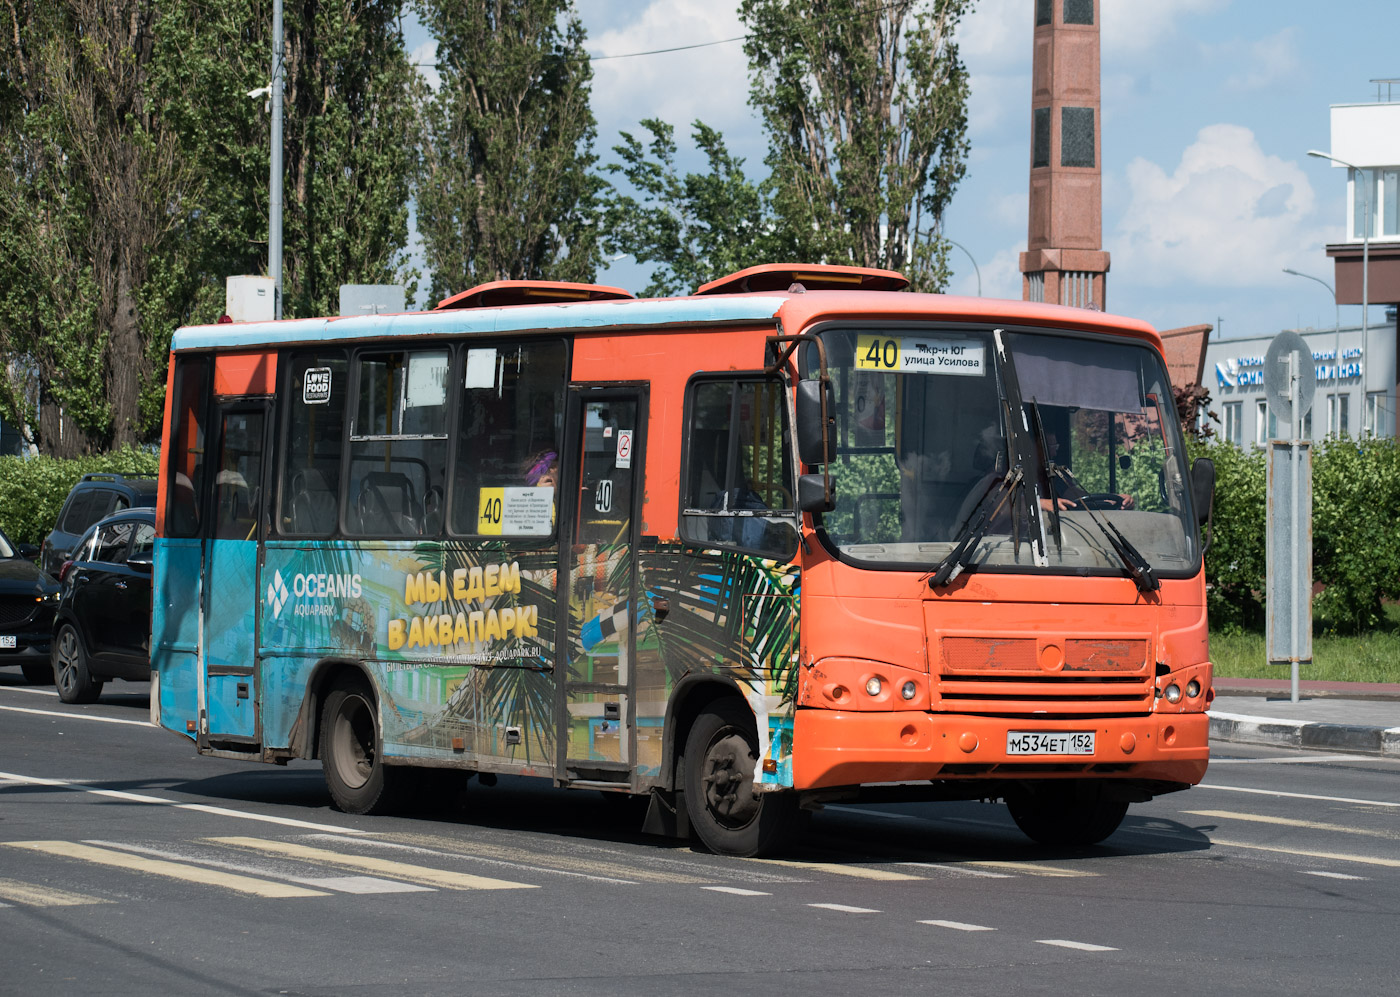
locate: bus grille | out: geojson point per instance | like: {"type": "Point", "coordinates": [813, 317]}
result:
{"type": "Point", "coordinates": [1002, 676]}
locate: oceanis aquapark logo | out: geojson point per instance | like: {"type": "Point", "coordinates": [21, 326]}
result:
{"type": "Point", "coordinates": [277, 594]}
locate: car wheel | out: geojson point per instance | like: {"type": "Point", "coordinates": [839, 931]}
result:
{"type": "Point", "coordinates": [727, 815]}
{"type": "Point", "coordinates": [351, 756]}
{"type": "Point", "coordinates": [70, 668]}
{"type": "Point", "coordinates": [37, 671]}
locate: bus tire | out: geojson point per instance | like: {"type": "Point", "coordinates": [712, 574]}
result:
{"type": "Point", "coordinates": [1070, 813]}
{"type": "Point", "coordinates": [351, 751]}
{"type": "Point", "coordinates": [727, 815]}
{"type": "Point", "coordinates": [70, 668]}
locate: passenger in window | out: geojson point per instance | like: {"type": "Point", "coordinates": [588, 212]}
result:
{"type": "Point", "coordinates": [542, 470]}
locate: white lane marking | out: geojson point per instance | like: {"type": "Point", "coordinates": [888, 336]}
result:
{"type": "Point", "coordinates": [1332, 875]}
{"type": "Point", "coordinates": [959, 925]}
{"type": "Point", "coordinates": [344, 884]}
{"type": "Point", "coordinates": [29, 689]}
{"type": "Point", "coordinates": [1080, 946]}
{"type": "Point", "coordinates": [736, 891]}
{"type": "Point", "coordinates": [1298, 796]}
{"type": "Point", "coordinates": [420, 850]}
{"type": "Point", "coordinates": [843, 909]}
{"type": "Point", "coordinates": [1291, 760]}
{"type": "Point", "coordinates": [78, 786]}
{"type": "Point", "coordinates": [80, 716]}
{"type": "Point", "coordinates": [956, 867]}
{"type": "Point", "coordinates": [363, 884]}
{"type": "Point", "coordinates": [1311, 825]}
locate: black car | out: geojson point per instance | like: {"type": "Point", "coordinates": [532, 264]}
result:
{"type": "Point", "coordinates": [27, 599]}
{"type": "Point", "coordinates": [102, 625]}
{"type": "Point", "coordinates": [92, 498]}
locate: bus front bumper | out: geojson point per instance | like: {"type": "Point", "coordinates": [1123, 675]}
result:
{"type": "Point", "coordinates": [848, 748]}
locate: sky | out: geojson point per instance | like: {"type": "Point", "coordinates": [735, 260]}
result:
{"type": "Point", "coordinates": [1208, 110]}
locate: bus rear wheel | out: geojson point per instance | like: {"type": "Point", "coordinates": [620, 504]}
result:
{"type": "Point", "coordinates": [1067, 813]}
{"type": "Point", "coordinates": [351, 755]}
{"type": "Point", "coordinates": [727, 815]}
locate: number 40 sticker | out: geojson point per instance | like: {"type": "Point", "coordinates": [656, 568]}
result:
{"type": "Point", "coordinates": [877, 353]}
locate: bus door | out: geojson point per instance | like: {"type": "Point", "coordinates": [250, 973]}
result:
{"type": "Point", "coordinates": [598, 738]}
{"type": "Point", "coordinates": [229, 603]}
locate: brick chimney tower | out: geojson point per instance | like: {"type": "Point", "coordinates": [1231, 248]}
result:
{"type": "Point", "coordinates": [1064, 262]}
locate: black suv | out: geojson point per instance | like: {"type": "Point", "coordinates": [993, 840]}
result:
{"type": "Point", "coordinates": [95, 496]}
{"type": "Point", "coordinates": [102, 626]}
{"type": "Point", "coordinates": [27, 600]}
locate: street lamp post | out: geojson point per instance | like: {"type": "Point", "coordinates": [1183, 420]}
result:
{"type": "Point", "coordinates": [975, 268]}
{"type": "Point", "coordinates": [1365, 248]}
{"type": "Point", "coordinates": [274, 218]}
{"type": "Point", "coordinates": [1336, 337]}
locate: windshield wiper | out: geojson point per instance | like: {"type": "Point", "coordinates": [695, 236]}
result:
{"type": "Point", "coordinates": [1043, 451]}
{"type": "Point", "coordinates": [1023, 455]}
{"type": "Point", "coordinates": [976, 528]}
{"type": "Point", "coordinates": [1136, 565]}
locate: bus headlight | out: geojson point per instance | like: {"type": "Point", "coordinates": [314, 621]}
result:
{"type": "Point", "coordinates": [1173, 693]}
{"type": "Point", "coordinates": [1193, 689]}
{"type": "Point", "coordinates": [909, 691]}
{"type": "Point", "coordinates": [873, 686]}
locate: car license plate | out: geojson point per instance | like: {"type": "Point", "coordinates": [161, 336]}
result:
{"type": "Point", "coordinates": [8, 640]}
{"type": "Point", "coordinates": [1049, 742]}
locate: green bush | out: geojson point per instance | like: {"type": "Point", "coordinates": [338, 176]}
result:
{"type": "Point", "coordinates": [32, 489]}
{"type": "Point", "coordinates": [1356, 534]}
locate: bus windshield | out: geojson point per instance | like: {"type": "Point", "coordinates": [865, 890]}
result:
{"type": "Point", "coordinates": [928, 451]}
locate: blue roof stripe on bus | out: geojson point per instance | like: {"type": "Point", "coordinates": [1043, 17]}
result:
{"type": "Point", "coordinates": [484, 321]}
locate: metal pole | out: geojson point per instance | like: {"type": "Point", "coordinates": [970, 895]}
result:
{"type": "Point", "coordinates": [1336, 336]}
{"type": "Point", "coordinates": [274, 220]}
{"type": "Point", "coordinates": [974, 263]}
{"type": "Point", "coordinates": [1295, 403]}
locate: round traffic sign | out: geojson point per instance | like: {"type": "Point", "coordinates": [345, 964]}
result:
{"type": "Point", "coordinates": [1289, 353]}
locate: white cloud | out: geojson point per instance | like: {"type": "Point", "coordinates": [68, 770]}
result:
{"type": "Point", "coordinates": [424, 58]}
{"type": "Point", "coordinates": [1136, 26]}
{"type": "Point", "coordinates": [1229, 215]}
{"type": "Point", "coordinates": [1267, 62]}
{"type": "Point", "coordinates": [708, 83]}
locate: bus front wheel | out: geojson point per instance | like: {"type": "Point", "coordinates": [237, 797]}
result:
{"type": "Point", "coordinates": [358, 780]}
{"type": "Point", "coordinates": [1066, 813]}
{"type": "Point", "coordinates": [727, 815]}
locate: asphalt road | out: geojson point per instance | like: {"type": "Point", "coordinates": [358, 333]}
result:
{"type": "Point", "coordinates": [128, 865]}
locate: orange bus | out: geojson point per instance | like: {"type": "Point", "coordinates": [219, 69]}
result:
{"type": "Point", "coordinates": [802, 536]}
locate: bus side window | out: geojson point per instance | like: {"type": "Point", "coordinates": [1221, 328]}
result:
{"type": "Point", "coordinates": [398, 443]}
{"type": "Point", "coordinates": [737, 487]}
{"type": "Point", "coordinates": [310, 481]}
{"type": "Point", "coordinates": [188, 413]}
{"type": "Point", "coordinates": [508, 440]}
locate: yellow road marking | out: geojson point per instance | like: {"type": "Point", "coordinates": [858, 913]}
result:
{"type": "Point", "coordinates": [859, 872]}
{"type": "Point", "coordinates": [43, 896]}
{"type": "Point", "coordinates": [426, 875]}
{"type": "Point", "coordinates": [1336, 856]}
{"type": "Point", "coordinates": [561, 863]}
{"type": "Point", "coordinates": [171, 870]}
{"type": "Point", "coordinates": [1029, 868]}
{"type": "Point", "coordinates": [1290, 822]}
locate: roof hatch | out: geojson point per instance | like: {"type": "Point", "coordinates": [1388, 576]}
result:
{"type": "Point", "coordinates": [812, 276]}
{"type": "Point", "coordinates": [499, 293]}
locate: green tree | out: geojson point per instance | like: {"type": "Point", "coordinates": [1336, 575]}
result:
{"type": "Point", "coordinates": [504, 188]}
{"type": "Point", "coordinates": [699, 226]}
{"type": "Point", "coordinates": [865, 104]}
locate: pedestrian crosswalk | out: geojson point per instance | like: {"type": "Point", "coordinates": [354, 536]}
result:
{"type": "Point", "coordinates": [308, 866]}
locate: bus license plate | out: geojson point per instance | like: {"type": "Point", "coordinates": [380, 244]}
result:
{"type": "Point", "coordinates": [1049, 742]}
{"type": "Point", "coordinates": [8, 640]}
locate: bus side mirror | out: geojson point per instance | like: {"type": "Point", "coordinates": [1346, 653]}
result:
{"type": "Point", "coordinates": [812, 496]}
{"type": "Point", "coordinates": [816, 423]}
{"type": "Point", "coordinates": [1203, 491]}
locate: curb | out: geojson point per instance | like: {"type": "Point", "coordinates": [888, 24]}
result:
{"type": "Point", "coordinates": [1274, 733]}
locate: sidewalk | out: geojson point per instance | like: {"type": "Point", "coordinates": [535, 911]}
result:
{"type": "Point", "coordinates": [1355, 717]}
